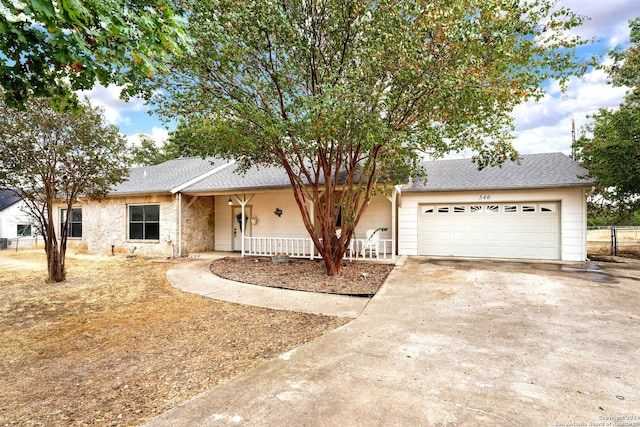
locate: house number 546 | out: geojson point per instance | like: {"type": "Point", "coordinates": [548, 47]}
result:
{"type": "Point", "coordinates": [485, 197]}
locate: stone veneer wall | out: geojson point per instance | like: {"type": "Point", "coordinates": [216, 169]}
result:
{"type": "Point", "coordinates": [198, 224]}
{"type": "Point", "coordinates": [105, 223]}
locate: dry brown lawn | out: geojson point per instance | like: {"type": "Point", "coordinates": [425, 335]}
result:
{"type": "Point", "coordinates": [115, 344]}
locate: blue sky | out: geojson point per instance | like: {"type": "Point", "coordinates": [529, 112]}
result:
{"type": "Point", "coordinates": [543, 126]}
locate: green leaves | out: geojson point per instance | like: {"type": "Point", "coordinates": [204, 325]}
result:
{"type": "Point", "coordinates": [347, 95]}
{"type": "Point", "coordinates": [74, 153]}
{"type": "Point", "coordinates": [612, 152]}
{"type": "Point", "coordinates": [52, 48]}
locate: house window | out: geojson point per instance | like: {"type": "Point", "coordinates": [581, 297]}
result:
{"type": "Point", "coordinates": [475, 209]}
{"type": "Point", "coordinates": [548, 207]}
{"type": "Point", "coordinates": [144, 222]}
{"type": "Point", "coordinates": [428, 209]}
{"type": "Point", "coordinates": [528, 208]}
{"type": "Point", "coordinates": [75, 222]}
{"type": "Point", "coordinates": [443, 209]}
{"type": "Point", "coordinates": [458, 209]}
{"type": "Point", "coordinates": [24, 230]}
{"type": "Point", "coordinates": [510, 208]}
{"type": "Point", "coordinates": [493, 208]}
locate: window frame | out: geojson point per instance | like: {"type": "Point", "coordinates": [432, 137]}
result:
{"type": "Point", "coordinates": [23, 226]}
{"type": "Point", "coordinates": [145, 223]}
{"type": "Point", "coordinates": [71, 229]}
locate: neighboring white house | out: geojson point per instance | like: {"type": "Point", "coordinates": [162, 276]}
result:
{"type": "Point", "coordinates": [16, 227]}
{"type": "Point", "coordinates": [531, 209]}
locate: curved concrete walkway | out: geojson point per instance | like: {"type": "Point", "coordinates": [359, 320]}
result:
{"type": "Point", "coordinates": [453, 343]}
{"type": "Point", "coordinates": [193, 276]}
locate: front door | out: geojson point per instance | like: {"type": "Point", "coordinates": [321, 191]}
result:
{"type": "Point", "coordinates": [236, 226]}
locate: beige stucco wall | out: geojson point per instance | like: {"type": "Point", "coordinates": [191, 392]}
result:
{"type": "Point", "coordinates": [573, 214]}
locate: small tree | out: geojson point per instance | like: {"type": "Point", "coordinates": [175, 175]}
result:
{"type": "Point", "coordinates": [346, 95]}
{"type": "Point", "coordinates": [49, 157]}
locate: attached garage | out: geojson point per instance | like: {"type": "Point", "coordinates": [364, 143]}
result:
{"type": "Point", "coordinates": [531, 209]}
{"type": "Point", "coordinates": [528, 230]}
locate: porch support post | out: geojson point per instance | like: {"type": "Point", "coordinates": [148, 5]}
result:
{"type": "Point", "coordinates": [394, 200]}
{"type": "Point", "coordinates": [243, 202]}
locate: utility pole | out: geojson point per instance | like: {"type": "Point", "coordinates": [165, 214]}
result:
{"type": "Point", "coordinates": [573, 138]}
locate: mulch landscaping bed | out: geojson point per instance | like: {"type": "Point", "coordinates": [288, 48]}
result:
{"type": "Point", "coordinates": [356, 278]}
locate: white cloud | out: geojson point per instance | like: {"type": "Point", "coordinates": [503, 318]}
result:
{"type": "Point", "coordinates": [115, 109]}
{"type": "Point", "coordinates": [545, 126]}
{"type": "Point", "coordinates": [158, 135]}
{"type": "Point", "coordinates": [606, 19]}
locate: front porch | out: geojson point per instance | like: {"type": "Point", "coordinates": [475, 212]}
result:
{"type": "Point", "coordinates": [300, 247]}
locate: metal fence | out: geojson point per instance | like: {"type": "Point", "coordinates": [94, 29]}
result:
{"type": "Point", "coordinates": [613, 240]}
{"type": "Point", "coordinates": [18, 243]}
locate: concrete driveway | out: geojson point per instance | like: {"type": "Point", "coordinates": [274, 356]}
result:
{"type": "Point", "coordinates": [456, 344]}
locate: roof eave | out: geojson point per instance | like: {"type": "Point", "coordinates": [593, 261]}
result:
{"type": "Point", "coordinates": [140, 193]}
{"type": "Point", "coordinates": [498, 188]}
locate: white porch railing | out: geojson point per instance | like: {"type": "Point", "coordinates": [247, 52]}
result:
{"type": "Point", "coordinates": [301, 247]}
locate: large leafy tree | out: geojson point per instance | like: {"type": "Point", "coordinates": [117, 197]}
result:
{"type": "Point", "coordinates": [49, 157]}
{"type": "Point", "coordinates": [54, 47]}
{"type": "Point", "coordinates": [345, 95]}
{"type": "Point", "coordinates": [610, 148]}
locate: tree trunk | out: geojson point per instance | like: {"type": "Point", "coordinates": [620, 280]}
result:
{"type": "Point", "coordinates": [55, 253]}
{"type": "Point", "coordinates": [55, 264]}
{"type": "Point", "coordinates": [332, 256]}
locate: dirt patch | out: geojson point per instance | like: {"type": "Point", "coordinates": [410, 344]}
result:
{"type": "Point", "coordinates": [115, 344]}
{"type": "Point", "coordinates": [356, 278]}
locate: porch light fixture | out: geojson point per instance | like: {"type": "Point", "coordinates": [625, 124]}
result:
{"type": "Point", "coordinates": [230, 202]}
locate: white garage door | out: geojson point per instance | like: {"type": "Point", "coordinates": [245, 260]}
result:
{"type": "Point", "coordinates": [490, 230]}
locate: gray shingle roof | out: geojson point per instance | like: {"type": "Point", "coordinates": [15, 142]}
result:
{"type": "Point", "coordinates": [229, 179]}
{"type": "Point", "coordinates": [531, 171]}
{"type": "Point", "coordinates": [8, 198]}
{"type": "Point", "coordinates": [166, 176]}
